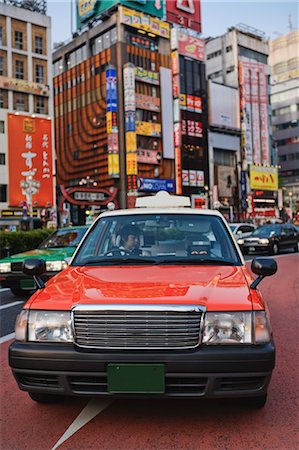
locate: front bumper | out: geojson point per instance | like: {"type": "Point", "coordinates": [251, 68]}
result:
{"type": "Point", "coordinates": [259, 248]}
{"type": "Point", "coordinates": [226, 371]}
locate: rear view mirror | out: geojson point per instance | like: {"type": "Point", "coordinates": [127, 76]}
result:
{"type": "Point", "coordinates": [263, 267]}
{"type": "Point", "coordinates": [35, 267]}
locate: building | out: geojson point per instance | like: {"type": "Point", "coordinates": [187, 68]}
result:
{"type": "Point", "coordinates": [27, 154]}
{"type": "Point", "coordinates": [117, 129]}
{"type": "Point", "coordinates": [284, 64]}
{"type": "Point", "coordinates": [239, 59]}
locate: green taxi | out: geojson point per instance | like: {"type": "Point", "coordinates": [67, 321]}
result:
{"type": "Point", "coordinates": [54, 250]}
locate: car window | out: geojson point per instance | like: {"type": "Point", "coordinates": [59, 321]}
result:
{"type": "Point", "coordinates": [64, 238]}
{"type": "Point", "coordinates": [157, 237]}
{"type": "Point", "coordinates": [267, 231]}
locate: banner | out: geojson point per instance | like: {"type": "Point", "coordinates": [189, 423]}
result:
{"type": "Point", "coordinates": [263, 178]}
{"type": "Point", "coordinates": [30, 161]}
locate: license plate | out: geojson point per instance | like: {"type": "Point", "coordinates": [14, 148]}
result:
{"type": "Point", "coordinates": [136, 378]}
{"type": "Point", "coordinates": [251, 249]}
{"type": "Point", "coordinates": [27, 284]}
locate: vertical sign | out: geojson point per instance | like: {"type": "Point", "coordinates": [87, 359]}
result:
{"type": "Point", "coordinates": [176, 115]}
{"type": "Point", "coordinates": [111, 122]}
{"type": "Point", "coordinates": [30, 161]}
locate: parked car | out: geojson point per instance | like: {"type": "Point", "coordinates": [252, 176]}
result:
{"type": "Point", "coordinates": [241, 230]}
{"type": "Point", "coordinates": [150, 305]}
{"type": "Point", "coordinates": [58, 246]}
{"type": "Point", "coordinates": [271, 239]}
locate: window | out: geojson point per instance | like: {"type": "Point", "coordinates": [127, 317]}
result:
{"type": "Point", "coordinates": [3, 99]}
{"type": "Point", "coordinates": [3, 192]}
{"type": "Point", "coordinates": [39, 74]}
{"type": "Point", "coordinates": [252, 54]}
{"type": "Point", "coordinates": [38, 45]}
{"type": "Point", "coordinates": [20, 103]}
{"type": "Point", "coordinates": [1, 65]}
{"type": "Point", "coordinates": [20, 69]}
{"type": "Point", "coordinates": [40, 105]}
{"type": "Point", "coordinates": [2, 126]}
{"type": "Point", "coordinates": [1, 36]}
{"type": "Point", "coordinates": [229, 48]}
{"type": "Point", "coordinates": [2, 159]}
{"type": "Point", "coordinates": [214, 54]}
{"type": "Point", "coordinates": [19, 40]}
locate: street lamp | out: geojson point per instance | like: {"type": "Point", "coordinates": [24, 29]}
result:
{"type": "Point", "coordinates": [87, 182]}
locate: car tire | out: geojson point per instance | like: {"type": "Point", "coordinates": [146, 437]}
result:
{"type": "Point", "coordinates": [18, 292]}
{"type": "Point", "coordinates": [255, 402]}
{"type": "Point", "coordinates": [274, 249]}
{"type": "Point", "coordinates": [45, 398]}
{"type": "Point", "coordinates": [296, 248]}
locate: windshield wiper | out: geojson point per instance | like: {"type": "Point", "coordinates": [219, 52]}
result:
{"type": "Point", "coordinates": [118, 260]}
{"type": "Point", "coordinates": [195, 261]}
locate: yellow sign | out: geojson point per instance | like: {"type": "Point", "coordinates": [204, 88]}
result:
{"type": "Point", "coordinates": [131, 143]}
{"type": "Point", "coordinates": [148, 128]}
{"type": "Point", "coordinates": [263, 178]}
{"type": "Point", "coordinates": [132, 163]}
{"type": "Point", "coordinates": [29, 125]}
{"type": "Point", "coordinates": [183, 101]}
{"type": "Point", "coordinates": [113, 164]}
{"type": "Point", "coordinates": [144, 22]}
{"type": "Point", "coordinates": [109, 122]}
{"type": "Point", "coordinates": [24, 86]}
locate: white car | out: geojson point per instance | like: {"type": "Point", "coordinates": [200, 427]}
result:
{"type": "Point", "coordinates": [242, 230]}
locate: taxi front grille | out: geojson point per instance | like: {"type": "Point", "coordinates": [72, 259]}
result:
{"type": "Point", "coordinates": [17, 266]}
{"type": "Point", "coordinates": [137, 326]}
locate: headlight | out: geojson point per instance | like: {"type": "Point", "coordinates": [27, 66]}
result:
{"type": "Point", "coordinates": [55, 266]}
{"type": "Point", "coordinates": [5, 267]}
{"type": "Point", "coordinates": [21, 325]}
{"type": "Point", "coordinates": [240, 241]}
{"type": "Point", "coordinates": [50, 326]}
{"type": "Point", "coordinates": [264, 241]}
{"type": "Point", "coordinates": [227, 328]}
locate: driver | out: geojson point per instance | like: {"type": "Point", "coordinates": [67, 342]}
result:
{"type": "Point", "coordinates": [130, 240]}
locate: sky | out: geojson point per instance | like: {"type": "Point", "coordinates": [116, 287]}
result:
{"type": "Point", "coordinates": [273, 17]}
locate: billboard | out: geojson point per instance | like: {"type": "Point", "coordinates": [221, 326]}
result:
{"type": "Point", "coordinates": [223, 106]}
{"type": "Point", "coordinates": [263, 178]}
{"type": "Point", "coordinates": [30, 161]}
{"type": "Point", "coordinates": [155, 184]}
{"type": "Point", "coordinates": [141, 21]}
{"type": "Point", "coordinates": [185, 13]}
{"type": "Point", "coordinates": [89, 9]}
{"type": "Point", "coordinates": [111, 122]}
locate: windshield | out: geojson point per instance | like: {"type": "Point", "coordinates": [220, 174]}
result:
{"type": "Point", "coordinates": [64, 238]}
{"type": "Point", "coordinates": [158, 239]}
{"type": "Point", "coordinates": [267, 230]}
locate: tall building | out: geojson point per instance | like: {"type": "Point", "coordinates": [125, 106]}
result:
{"type": "Point", "coordinates": [119, 133]}
{"type": "Point", "coordinates": [284, 63]}
{"type": "Point", "coordinates": [239, 59]}
{"type": "Point", "coordinates": [27, 153]}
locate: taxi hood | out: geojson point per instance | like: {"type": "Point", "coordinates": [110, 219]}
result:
{"type": "Point", "coordinates": [218, 288]}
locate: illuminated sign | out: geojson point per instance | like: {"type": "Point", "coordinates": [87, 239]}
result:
{"type": "Point", "coordinates": [146, 76]}
{"type": "Point", "coordinates": [185, 13]}
{"type": "Point", "coordinates": [147, 102]}
{"type": "Point", "coordinates": [263, 178]}
{"type": "Point", "coordinates": [155, 184]}
{"type": "Point", "coordinates": [111, 122]}
{"type": "Point", "coordinates": [144, 22]}
{"type": "Point", "coordinates": [148, 156]}
{"type": "Point", "coordinates": [190, 46]}
{"type": "Point", "coordinates": [24, 86]}
{"type": "Point", "coordinates": [148, 128]}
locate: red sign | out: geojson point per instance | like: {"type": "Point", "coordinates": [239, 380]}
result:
{"type": "Point", "coordinates": [191, 47]}
{"type": "Point", "coordinates": [30, 161]}
{"type": "Point", "coordinates": [148, 156]}
{"type": "Point", "coordinates": [184, 12]}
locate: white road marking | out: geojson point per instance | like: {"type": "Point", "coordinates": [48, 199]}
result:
{"type": "Point", "coordinates": [92, 409]}
{"type": "Point", "coordinates": [7, 338]}
{"type": "Point", "coordinates": [10, 305]}
{"type": "Point", "coordinates": [4, 289]}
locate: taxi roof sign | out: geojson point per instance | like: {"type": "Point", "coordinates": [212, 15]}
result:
{"type": "Point", "coordinates": [163, 200]}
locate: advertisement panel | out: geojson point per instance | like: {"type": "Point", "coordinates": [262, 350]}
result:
{"type": "Point", "coordinates": [167, 113]}
{"type": "Point", "coordinates": [130, 125]}
{"type": "Point", "coordinates": [144, 22]}
{"type": "Point", "coordinates": [148, 128]}
{"type": "Point", "coordinates": [223, 105]}
{"type": "Point", "coordinates": [185, 13]}
{"type": "Point", "coordinates": [155, 184]}
{"type": "Point", "coordinates": [30, 161]}
{"type": "Point", "coordinates": [148, 156]}
{"type": "Point", "coordinates": [263, 178]}
{"type": "Point", "coordinates": [190, 46]}
{"type": "Point", "coordinates": [111, 122]}
{"type": "Point", "coordinates": [147, 102]}
{"type": "Point", "coordinates": [30, 87]}
{"type": "Point", "coordinates": [89, 9]}
{"type": "Point", "coordinates": [146, 76]}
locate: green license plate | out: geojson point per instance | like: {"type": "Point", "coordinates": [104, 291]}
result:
{"type": "Point", "coordinates": [27, 284]}
{"type": "Point", "coordinates": [136, 378]}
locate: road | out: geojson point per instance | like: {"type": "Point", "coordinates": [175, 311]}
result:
{"type": "Point", "coordinates": [173, 424]}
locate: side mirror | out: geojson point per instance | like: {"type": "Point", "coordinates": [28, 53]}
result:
{"type": "Point", "coordinates": [35, 267]}
{"type": "Point", "coordinates": [263, 267]}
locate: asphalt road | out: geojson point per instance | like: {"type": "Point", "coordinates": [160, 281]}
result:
{"type": "Point", "coordinates": [174, 424]}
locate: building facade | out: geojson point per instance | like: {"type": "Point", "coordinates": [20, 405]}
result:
{"type": "Point", "coordinates": [284, 63]}
{"type": "Point", "coordinates": [119, 133]}
{"type": "Point", "coordinates": [239, 59]}
{"type": "Point", "coordinates": [26, 111]}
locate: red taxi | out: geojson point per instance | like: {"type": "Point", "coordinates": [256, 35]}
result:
{"type": "Point", "coordinates": [156, 301]}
